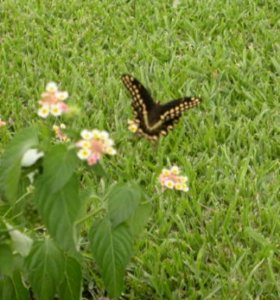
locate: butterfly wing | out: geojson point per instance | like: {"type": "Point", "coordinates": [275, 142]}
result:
{"type": "Point", "coordinates": [141, 98]}
{"type": "Point", "coordinates": [144, 107]}
{"type": "Point", "coordinates": [171, 112]}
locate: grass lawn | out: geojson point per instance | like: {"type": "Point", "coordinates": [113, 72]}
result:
{"type": "Point", "coordinates": [221, 240]}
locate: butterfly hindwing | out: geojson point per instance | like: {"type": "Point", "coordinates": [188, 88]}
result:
{"type": "Point", "coordinates": [154, 119]}
{"type": "Point", "coordinates": [172, 111]}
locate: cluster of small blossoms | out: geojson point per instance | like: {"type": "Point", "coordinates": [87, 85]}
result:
{"type": "Point", "coordinates": [94, 145]}
{"type": "Point", "coordinates": [2, 123]}
{"type": "Point", "coordinates": [132, 126]}
{"type": "Point", "coordinates": [171, 179]}
{"type": "Point", "coordinates": [60, 135]}
{"type": "Point", "coordinates": [52, 101]}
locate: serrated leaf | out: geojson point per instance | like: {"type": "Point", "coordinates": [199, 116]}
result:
{"type": "Point", "coordinates": [60, 210]}
{"type": "Point", "coordinates": [59, 165]}
{"type": "Point", "coordinates": [45, 265]}
{"type": "Point", "coordinates": [70, 288]}
{"type": "Point", "coordinates": [11, 161]}
{"type": "Point", "coordinates": [138, 220]}
{"type": "Point", "coordinates": [123, 200]}
{"type": "Point", "coordinates": [112, 249]}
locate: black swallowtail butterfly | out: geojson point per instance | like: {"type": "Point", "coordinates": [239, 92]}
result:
{"type": "Point", "coordinates": [153, 119]}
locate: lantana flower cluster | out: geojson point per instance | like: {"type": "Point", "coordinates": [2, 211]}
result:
{"type": "Point", "coordinates": [171, 179]}
{"type": "Point", "coordinates": [52, 101]}
{"type": "Point", "coordinates": [132, 126]}
{"type": "Point", "coordinates": [59, 134]}
{"type": "Point", "coordinates": [93, 145]}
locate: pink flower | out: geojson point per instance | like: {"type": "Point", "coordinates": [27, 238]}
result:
{"type": "Point", "coordinates": [171, 179]}
{"type": "Point", "coordinates": [52, 101]}
{"type": "Point", "coordinates": [93, 145]}
{"type": "Point", "coordinates": [93, 158]}
{"type": "Point", "coordinates": [63, 107]}
{"type": "Point", "coordinates": [2, 123]}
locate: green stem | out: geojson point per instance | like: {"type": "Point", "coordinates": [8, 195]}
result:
{"type": "Point", "coordinates": [96, 212]}
{"type": "Point", "coordinates": [19, 200]}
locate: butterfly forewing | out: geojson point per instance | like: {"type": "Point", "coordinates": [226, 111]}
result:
{"type": "Point", "coordinates": [141, 97]}
{"type": "Point", "coordinates": [155, 119]}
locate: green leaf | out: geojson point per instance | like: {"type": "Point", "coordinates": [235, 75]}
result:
{"type": "Point", "coordinates": [70, 288]}
{"type": "Point", "coordinates": [112, 249]}
{"type": "Point", "coordinates": [6, 288]}
{"type": "Point", "coordinates": [123, 200]}
{"type": "Point", "coordinates": [21, 292]}
{"type": "Point", "coordinates": [257, 236]}
{"type": "Point", "coordinates": [13, 288]}
{"type": "Point", "coordinates": [10, 165]}
{"type": "Point", "coordinates": [45, 265]}
{"type": "Point", "coordinates": [59, 165]}
{"type": "Point", "coordinates": [60, 210]}
{"type": "Point", "coordinates": [6, 260]}
{"type": "Point", "coordinates": [139, 219]}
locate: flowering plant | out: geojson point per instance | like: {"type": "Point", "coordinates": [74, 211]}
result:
{"type": "Point", "coordinates": [50, 256]}
{"type": "Point", "coordinates": [53, 255]}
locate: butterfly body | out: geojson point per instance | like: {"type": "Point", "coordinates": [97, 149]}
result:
{"type": "Point", "coordinates": [152, 118]}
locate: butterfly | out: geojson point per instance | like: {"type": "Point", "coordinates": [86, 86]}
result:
{"type": "Point", "coordinates": [152, 118]}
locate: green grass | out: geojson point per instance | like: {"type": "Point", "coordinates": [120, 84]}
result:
{"type": "Point", "coordinates": [222, 239]}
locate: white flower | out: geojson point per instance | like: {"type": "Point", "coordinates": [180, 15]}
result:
{"type": "Point", "coordinates": [111, 151]}
{"type": "Point", "coordinates": [184, 179]}
{"type": "Point", "coordinates": [169, 184]}
{"type": "Point", "coordinates": [96, 134]}
{"type": "Point", "coordinates": [84, 153]}
{"type": "Point", "coordinates": [83, 144]}
{"type": "Point", "coordinates": [61, 96]}
{"type": "Point", "coordinates": [175, 170]}
{"type": "Point", "coordinates": [104, 135]}
{"type": "Point", "coordinates": [51, 87]}
{"type": "Point", "coordinates": [184, 188]}
{"type": "Point", "coordinates": [43, 111]}
{"type": "Point", "coordinates": [56, 110]}
{"type": "Point", "coordinates": [165, 172]}
{"type": "Point", "coordinates": [86, 134]}
{"type": "Point", "coordinates": [109, 142]}
{"type": "Point", "coordinates": [30, 157]}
